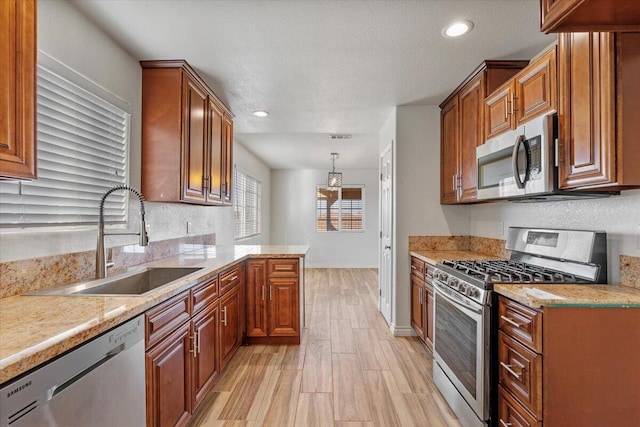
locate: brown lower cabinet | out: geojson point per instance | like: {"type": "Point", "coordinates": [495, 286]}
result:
{"type": "Point", "coordinates": [190, 338]}
{"type": "Point", "coordinates": [568, 366]}
{"type": "Point", "coordinates": [422, 300]}
{"type": "Point", "coordinates": [272, 295]}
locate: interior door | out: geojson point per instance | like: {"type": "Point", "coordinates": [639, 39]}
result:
{"type": "Point", "coordinates": [385, 278]}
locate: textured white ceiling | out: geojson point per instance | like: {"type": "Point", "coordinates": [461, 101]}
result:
{"type": "Point", "coordinates": [321, 67]}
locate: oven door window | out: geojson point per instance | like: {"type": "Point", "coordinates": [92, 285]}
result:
{"type": "Point", "coordinates": [457, 342]}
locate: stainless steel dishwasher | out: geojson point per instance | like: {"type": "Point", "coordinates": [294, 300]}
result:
{"type": "Point", "coordinates": [100, 383]}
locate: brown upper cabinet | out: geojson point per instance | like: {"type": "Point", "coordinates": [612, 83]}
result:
{"type": "Point", "coordinates": [462, 129]}
{"type": "Point", "coordinates": [187, 137]}
{"type": "Point", "coordinates": [531, 93]}
{"type": "Point", "coordinates": [599, 79]}
{"type": "Point", "coordinates": [589, 15]}
{"type": "Point", "coordinates": [18, 89]}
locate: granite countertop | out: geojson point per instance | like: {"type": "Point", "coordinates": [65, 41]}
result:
{"type": "Point", "coordinates": [36, 328]}
{"type": "Point", "coordinates": [433, 257]}
{"type": "Point", "coordinates": [536, 296]}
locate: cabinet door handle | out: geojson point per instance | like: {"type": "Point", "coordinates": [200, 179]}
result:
{"type": "Point", "coordinates": [455, 182]}
{"type": "Point", "coordinates": [224, 319]}
{"type": "Point", "coordinates": [506, 108]}
{"type": "Point", "coordinates": [511, 371]}
{"type": "Point", "coordinates": [262, 292]}
{"type": "Point", "coordinates": [195, 344]}
{"type": "Point", "coordinates": [511, 322]}
{"type": "Point", "coordinates": [503, 424]}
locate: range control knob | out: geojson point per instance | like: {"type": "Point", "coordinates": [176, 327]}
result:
{"type": "Point", "coordinates": [462, 287]}
{"type": "Point", "coordinates": [453, 282]}
{"type": "Point", "coordinates": [473, 292]}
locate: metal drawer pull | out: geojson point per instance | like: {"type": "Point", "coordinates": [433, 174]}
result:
{"type": "Point", "coordinates": [511, 371]}
{"type": "Point", "coordinates": [505, 424]}
{"type": "Point", "coordinates": [233, 278]}
{"type": "Point", "coordinates": [224, 320]}
{"type": "Point", "coordinates": [511, 322]}
{"type": "Point", "coordinates": [413, 267]}
{"type": "Point", "coordinates": [194, 338]}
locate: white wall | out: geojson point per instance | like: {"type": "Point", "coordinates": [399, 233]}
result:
{"type": "Point", "coordinates": [293, 218]}
{"type": "Point", "coordinates": [67, 36]}
{"type": "Point", "coordinates": [247, 162]}
{"type": "Point", "coordinates": [417, 210]}
{"type": "Point", "coordinates": [619, 216]}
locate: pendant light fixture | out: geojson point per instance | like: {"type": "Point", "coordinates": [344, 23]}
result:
{"type": "Point", "coordinates": [334, 180]}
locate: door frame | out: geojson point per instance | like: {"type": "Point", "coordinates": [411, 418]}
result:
{"type": "Point", "coordinates": [389, 150]}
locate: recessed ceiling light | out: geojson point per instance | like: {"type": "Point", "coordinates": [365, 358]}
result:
{"type": "Point", "coordinates": [457, 29]}
{"type": "Point", "coordinates": [260, 113]}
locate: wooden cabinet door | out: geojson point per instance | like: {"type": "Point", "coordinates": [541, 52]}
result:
{"type": "Point", "coordinates": [428, 317]}
{"type": "Point", "coordinates": [471, 104]}
{"type": "Point", "coordinates": [206, 366]}
{"type": "Point", "coordinates": [215, 158]}
{"type": "Point", "coordinates": [417, 309]}
{"type": "Point", "coordinates": [449, 155]}
{"type": "Point", "coordinates": [587, 112]}
{"type": "Point", "coordinates": [256, 291]}
{"type": "Point", "coordinates": [168, 366]}
{"type": "Point", "coordinates": [227, 160]}
{"type": "Point", "coordinates": [230, 327]}
{"type": "Point", "coordinates": [589, 15]}
{"type": "Point", "coordinates": [18, 89]}
{"type": "Point", "coordinates": [498, 113]}
{"type": "Point", "coordinates": [283, 307]}
{"type": "Point", "coordinates": [195, 140]}
{"type": "Point", "coordinates": [536, 89]}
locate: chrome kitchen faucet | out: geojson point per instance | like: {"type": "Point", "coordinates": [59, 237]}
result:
{"type": "Point", "coordinates": [101, 262]}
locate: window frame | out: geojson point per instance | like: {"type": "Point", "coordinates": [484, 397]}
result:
{"type": "Point", "coordinates": [236, 196]}
{"type": "Point", "coordinates": [339, 189]}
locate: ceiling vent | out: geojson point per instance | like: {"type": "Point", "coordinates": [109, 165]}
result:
{"type": "Point", "coordinates": [341, 136]}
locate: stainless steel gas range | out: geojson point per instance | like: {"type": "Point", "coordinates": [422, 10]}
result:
{"type": "Point", "coordinates": [465, 318]}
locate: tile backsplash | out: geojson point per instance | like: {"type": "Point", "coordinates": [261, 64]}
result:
{"type": "Point", "coordinates": [18, 277]}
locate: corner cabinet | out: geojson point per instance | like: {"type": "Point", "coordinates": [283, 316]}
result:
{"type": "Point", "coordinates": [273, 298]}
{"type": "Point", "coordinates": [599, 78]}
{"type": "Point", "coordinates": [589, 15]}
{"type": "Point", "coordinates": [462, 129]}
{"type": "Point", "coordinates": [18, 89]}
{"type": "Point", "coordinates": [187, 137]}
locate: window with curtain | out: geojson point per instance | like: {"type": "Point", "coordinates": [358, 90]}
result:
{"type": "Point", "coordinates": [340, 209]}
{"type": "Point", "coordinates": [247, 205]}
{"type": "Point", "coordinates": [82, 142]}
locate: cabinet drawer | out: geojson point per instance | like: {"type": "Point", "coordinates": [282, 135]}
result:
{"type": "Point", "coordinates": [204, 294]}
{"type": "Point", "coordinates": [417, 267]}
{"type": "Point", "coordinates": [282, 268]}
{"type": "Point", "coordinates": [163, 319]}
{"type": "Point", "coordinates": [521, 323]}
{"type": "Point", "coordinates": [520, 373]}
{"type": "Point", "coordinates": [231, 278]}
{"type": "Point", "coordinates": [511, 413]}
{"type": "Point", "coordinates": [428, 273]}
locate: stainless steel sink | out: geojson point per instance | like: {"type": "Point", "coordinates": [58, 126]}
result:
{"type": "Point", "coordinates": [137, 282]}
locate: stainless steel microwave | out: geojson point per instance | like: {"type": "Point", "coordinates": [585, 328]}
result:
{"type": "Point", "coordinates": [521, 165]}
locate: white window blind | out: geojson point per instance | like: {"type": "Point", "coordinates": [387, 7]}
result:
{"type": "Point", "coordinates": [81, 153]}
{"type": "Point", "coordinates": [247, 206]}
{"type": "Point", "coordinates": [340, 209]}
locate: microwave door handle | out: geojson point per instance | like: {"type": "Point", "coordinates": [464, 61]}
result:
{"type": "Point", "coordinates": [514, 158]}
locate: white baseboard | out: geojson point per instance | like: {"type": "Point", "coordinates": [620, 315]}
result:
{"type": "Point", "coordinates": [403, 331]}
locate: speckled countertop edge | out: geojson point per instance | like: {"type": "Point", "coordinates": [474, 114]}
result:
{"type": "Point", "coordinates": [561, 295]}
{"type": "Point", "coordinates": [35, 329]}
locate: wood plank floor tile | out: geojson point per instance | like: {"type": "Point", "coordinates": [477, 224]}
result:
{"type": "Point", "coordinates": [350, 401]}
{"type": "Point", "coordinates": [284, 400]}
{"type": "Point", "coordinates": [384, 412]}
{"type": "Point", "coordinates": [341, 337]}
{"type": "Point", "coordinates": [369, 350]}
{"type": "Point", "coordinates": [320, 326]}
{"type": "Point", "coordinates": [314, 410]}
{"type": "Point", "coordinates": [317, 372]}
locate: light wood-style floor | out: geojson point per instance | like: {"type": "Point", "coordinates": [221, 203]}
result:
{"type": "Point", "coordinates": [348, 371]}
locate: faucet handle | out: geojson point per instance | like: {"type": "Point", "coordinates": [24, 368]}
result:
{"type": "Point", "coordinates": [109, 263]}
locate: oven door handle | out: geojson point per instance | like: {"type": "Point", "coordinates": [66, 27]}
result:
{"type": "Point", "coordinates": [514, 158]}
{"type": "Point", "coordinates": [469, 306]}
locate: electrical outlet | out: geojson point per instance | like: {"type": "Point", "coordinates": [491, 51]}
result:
{"type": "Point", "coordinates": [189, 228]}
{"type": "Point", "coordinates": [500, 228]}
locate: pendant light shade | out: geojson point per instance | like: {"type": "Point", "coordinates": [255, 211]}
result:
{"type": "Point", "coordinates": [334, 179]}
